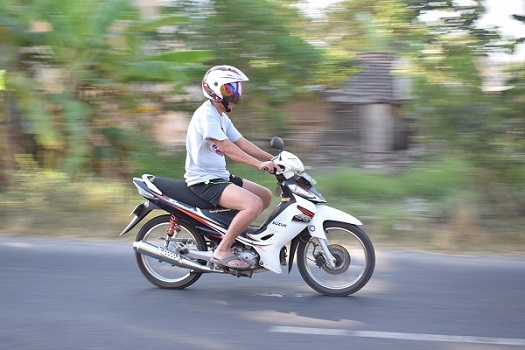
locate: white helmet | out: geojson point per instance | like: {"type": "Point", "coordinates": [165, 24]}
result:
{"type": "Point", "coordinates": [223, 84]}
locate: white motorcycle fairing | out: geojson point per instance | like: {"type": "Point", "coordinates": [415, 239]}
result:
{"type": "Point", "coordinates": [283, 228]}
{"type": "Point", "coordinates": [327, 213]}
{"type": "Point", "coordinates": [280, 231]}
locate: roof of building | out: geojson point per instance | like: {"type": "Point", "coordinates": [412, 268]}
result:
{"type": "Point", "coordinates": [377, 82]}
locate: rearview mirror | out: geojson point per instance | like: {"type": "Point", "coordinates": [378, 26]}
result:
{"type": "Point", "coordinates": [277, 143]}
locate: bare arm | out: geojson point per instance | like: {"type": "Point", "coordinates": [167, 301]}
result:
{"type": "Point", "coordinates": [252, 149]}
{"type": "Point", "coordinates": [248, 156]}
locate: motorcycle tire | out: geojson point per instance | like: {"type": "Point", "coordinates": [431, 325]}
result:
{"type": "Point", "coordinates": [162, 274]}
{"type": "Point", "coordinates": [354, 255]}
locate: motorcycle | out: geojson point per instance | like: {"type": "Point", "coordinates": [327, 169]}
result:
{"type": "Point", "coordinates": [335, 256]}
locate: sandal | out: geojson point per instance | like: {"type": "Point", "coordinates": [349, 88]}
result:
{"type": "Point", "coordinates": [226, 262]}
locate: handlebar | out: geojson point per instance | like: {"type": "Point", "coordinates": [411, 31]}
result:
{"type": "Point", "coordinates": [276, 171]}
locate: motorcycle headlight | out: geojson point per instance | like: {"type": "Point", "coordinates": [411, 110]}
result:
{"type": "Point", "coordinates": [306, 194]}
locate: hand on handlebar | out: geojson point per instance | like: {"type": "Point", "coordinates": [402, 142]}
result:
{"type": "Point", "coordinates": [269, 167]}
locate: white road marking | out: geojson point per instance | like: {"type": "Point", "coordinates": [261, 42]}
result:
{"type": "Point", "coordinates": [400, 336]}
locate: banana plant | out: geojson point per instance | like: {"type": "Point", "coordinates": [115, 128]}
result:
{"type": "Point", "coordinates": [71, 66]}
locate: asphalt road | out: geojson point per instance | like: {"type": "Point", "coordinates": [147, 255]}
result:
{"type": "Point", "coordinates": [91, 295]}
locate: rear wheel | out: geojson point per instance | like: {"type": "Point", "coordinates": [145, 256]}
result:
{"type": "Point", "coordinates": [162, 274]}
{"type": "Point", "coordinates": [354, 260]}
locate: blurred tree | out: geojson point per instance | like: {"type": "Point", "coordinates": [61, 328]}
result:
{"type": "Point", "coordinates": [451, 97]}
{"type": "Point", "coordinates": [441, 41]}
{"type": "Point", "coordinates": [261, 37]}
{"type": "Point", "coordinates": [444, 46]}
{"type": "Point", "coordinates": [264, 39]}
{"type": "Point", "coordinates": [76, 74]}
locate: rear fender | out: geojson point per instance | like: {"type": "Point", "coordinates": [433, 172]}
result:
{"type": "Point", "coordinates": [139, 213]}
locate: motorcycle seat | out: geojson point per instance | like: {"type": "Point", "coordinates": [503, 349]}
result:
{"type": "Point", "coordinates": [178, 190]}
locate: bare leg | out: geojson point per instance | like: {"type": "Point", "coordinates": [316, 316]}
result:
{"type": "Point", "coordinates": [249, 204]}
{"type": "Point", "coordinates": [261, 191]}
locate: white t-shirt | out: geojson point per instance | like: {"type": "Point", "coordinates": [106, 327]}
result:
{"type": "Point", "coordinates": [204, 160]}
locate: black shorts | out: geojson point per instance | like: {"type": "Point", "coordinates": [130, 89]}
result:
{"type": "Point", "coordinates": [211, 190]}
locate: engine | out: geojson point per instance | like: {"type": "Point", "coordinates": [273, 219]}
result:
{"type": "Point", "coordinates": [248, 255]}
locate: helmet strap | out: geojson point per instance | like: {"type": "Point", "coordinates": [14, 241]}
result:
{"type": "Point", "coordinates": [225, 104]}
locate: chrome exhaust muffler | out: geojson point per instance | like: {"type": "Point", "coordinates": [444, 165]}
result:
{"type": "Point", "coordinates": [170, 257]}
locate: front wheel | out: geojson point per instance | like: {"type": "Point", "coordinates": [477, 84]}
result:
{"type": "Point", "coordinates": [354, 260]}
{"type": "Point", "coordinates": [162, 274]}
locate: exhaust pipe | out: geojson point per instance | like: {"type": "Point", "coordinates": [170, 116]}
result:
{"type": "Point", "coordinates": [170, 257]}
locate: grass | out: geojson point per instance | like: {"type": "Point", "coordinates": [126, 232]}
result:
{"type": "Point", "coordinates": [429, 181]}
{"type": "Point", "coordinates": [433, 206]}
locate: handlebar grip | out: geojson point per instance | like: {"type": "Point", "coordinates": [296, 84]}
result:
{"type": "Point", "coordinates": [265, 169]}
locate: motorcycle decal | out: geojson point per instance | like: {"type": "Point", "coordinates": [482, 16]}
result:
{"type": "Point", "coordinates": [305, 215]}
{"type": "Point", "coordinates": [215, 211]}
{"type": "Point", "coordinates": [254, 241]}
{"type": "Point", "coordinates": [279, 224]}
{"type": "Point", "coordinates": [301, 217]}
{"type": "Point", "coordinates": [206, 222]}
{"type": "Point", "coordinates": [195, 214]}
{"type": "Point", "coordinates": [305, 211]}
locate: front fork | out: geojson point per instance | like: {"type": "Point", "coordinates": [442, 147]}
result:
{"type": "Point", "coordinates": [330, 259]}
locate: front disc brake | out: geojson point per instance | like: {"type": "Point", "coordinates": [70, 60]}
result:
{"type": "Point", "coordinates": [342, 260]}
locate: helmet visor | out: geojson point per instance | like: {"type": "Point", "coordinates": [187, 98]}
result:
{"type": "Point", "coordinates": [232, 92]}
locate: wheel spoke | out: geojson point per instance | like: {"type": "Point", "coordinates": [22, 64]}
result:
{"type": "Point", "coordinates": [161, 273]}
{"type": "Point", "coordinates": [354, 261]}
